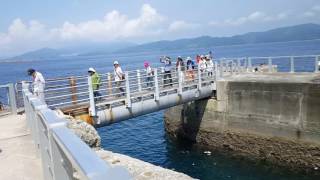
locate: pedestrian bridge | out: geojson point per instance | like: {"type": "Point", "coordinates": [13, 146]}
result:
{"type": "Point", "coordinates": [142, 94]}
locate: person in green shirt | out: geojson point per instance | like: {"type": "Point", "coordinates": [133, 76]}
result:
{"type": "Point", "coordinates": [96, 82]}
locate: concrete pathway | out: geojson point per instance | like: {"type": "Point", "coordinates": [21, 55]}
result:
{"type": "Point", "coordinates": [19, 159]}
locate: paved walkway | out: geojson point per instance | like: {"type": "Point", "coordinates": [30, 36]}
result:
{"type": "Point", "coordinates": [18, 156]}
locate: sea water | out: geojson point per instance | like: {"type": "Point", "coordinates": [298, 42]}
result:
{"type": "Point", "coordinates": [144, 137]}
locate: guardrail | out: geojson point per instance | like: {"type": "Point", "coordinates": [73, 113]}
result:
{"type": "Point", "coordinates": [63, 154]}
{"type": "Point", "coordinates": [8, 103]}
{"type": "Point", "coordinates": [75, 91]}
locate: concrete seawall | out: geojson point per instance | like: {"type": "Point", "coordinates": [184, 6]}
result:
{"type": "Point", "coordinates": [270, 117]}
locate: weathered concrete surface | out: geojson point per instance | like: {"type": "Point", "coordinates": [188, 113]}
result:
{"type": "Point", "coordinates": [272, 117]}
{"type": "Point", "coordinates": [18, 160]}
{"type": "Point", "coordinates": [141, 170]}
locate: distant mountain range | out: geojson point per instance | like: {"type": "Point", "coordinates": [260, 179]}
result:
{"type": "Point", "coordinates": [292, 33]}
{"type": "Point", "coordinates": [284, 34]}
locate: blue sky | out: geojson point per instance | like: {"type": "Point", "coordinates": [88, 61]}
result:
{"type": "Point", "coordinates": [31, 24]}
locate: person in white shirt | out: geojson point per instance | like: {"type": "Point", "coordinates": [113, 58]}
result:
{"type": "Point", "coordinates": [210, 66]}
{"type": "Point", "coordinates": [119, 78]}
{"type": "Point", "coordinates": [38, 84]}
{"type": "Point", "coordinates": [202, 63]}
{"type": "Point", "coordinates": [149, 73]}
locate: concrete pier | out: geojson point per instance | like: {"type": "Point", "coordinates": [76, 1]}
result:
{"type": "Point", "coordinates": [270, 117]}
{"type": "Point", "coordinates": [18, 156]}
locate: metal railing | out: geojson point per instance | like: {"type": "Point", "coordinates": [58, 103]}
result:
{"type": "Point", "coordinates": [73, 92]}
{"type": "Point", "coordinates": [63, 154]}
{"type": "Point", "coordinates": [8, 103]}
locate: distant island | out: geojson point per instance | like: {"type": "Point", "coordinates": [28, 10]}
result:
{"type": "Point", "coordinates": [292, 33]}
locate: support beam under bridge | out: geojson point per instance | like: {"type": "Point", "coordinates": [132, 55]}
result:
{"type": "Point", "coordinates": [120, 113]}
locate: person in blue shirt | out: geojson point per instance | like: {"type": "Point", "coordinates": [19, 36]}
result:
{"type": "Point", "coordinates": [167, 70]}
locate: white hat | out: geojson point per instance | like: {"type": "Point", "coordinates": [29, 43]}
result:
{"type": "Point", "coordinates": [188, 58]}
{"type": "Point", "coordinates": [91, 70]}
{"type": "Point", "coordinates": [115, 62]}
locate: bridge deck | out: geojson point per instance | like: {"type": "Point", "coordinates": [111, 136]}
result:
{"type": "Point", "coordinates": [17, 150]}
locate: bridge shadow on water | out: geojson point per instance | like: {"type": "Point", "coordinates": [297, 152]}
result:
{"type": "Point", "coordinates": [191, 118]}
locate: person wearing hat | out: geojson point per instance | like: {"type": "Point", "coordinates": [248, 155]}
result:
{"type": "Point", "coordinates": [95, 80]}
{"type": "Point", "coordinates": [119, 78]}
{"type": "Point", "coordinates": [38, 83]}
{"type": "Point", "coordinates": [167, 78]}
{"type": "Point", "coordinates": [210, 66]}
{"type": "Point", "coordinates": [149, 73]}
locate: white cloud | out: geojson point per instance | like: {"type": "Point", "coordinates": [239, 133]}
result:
{"type": "Point", "coordinates": [114, 26]}
{"type": "Point", "coordinates": [178, 26]}
{"type": "Point", "coordinates": [25, 36]}
{"type": "Point", "coordinates": [312, 12]}
{"type": "Point", "coordinates": [316, 8]}
{"type": "Point", "coordinates": [255, 17]}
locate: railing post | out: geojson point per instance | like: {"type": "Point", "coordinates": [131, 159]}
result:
{"type": "Point", "coordinates": [239, 69]}
{"type": "Point", "coordinates": [12, 99]}
{"type": "Point", "coordinates": [216, 76]}
{"type": "Point", "coordinates": [292, 64]}
{"type": "Point", "coordinates": [109, 83]}
{"type": "Point", "coordinates": [199, 78]}
{"type": "Point", "coordinates": [139, 80]}
{"type": "Point", "coordinates": [156, 85]}
{"type": "Point", "coordinates": [221, 68]}
{"type": "Point", "coordinates": [270, 65]}
{"type": "Point", "coordinates": [231, 68]}
{"type": "Point", "coordinates": [73, 90]}
{"type": "Point", "coordinates": [92, 108]}
{"type": "Point", "coordinates": [316, 64]}
{"type": "Point", "coordinates": [179, 81]}
{"type": "Point", "coordinates": [249, 64]}
{"type": "Point", "coordinates": [128, 103]}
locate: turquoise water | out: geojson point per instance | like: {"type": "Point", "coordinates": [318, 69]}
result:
{"type": "Point", "coordinates": [144, 137]}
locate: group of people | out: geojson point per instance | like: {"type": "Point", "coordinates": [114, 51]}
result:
{"type": "Point", "coordinates": [38, 81]}
{"type": "Point", "coordinates": [186, 67]}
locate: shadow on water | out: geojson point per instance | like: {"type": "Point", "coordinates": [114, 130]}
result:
{"type": "Point", "coordinates": [191, 117]}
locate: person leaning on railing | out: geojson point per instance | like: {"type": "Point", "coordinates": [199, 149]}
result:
{"type": "Point", "coordinates": [96, 81]}
{"type": "Point", "coordinates": [38, 84]}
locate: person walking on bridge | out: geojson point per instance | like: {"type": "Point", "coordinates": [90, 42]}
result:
{"type": "Point", "coordinates": [149, 74]}
{"type": "Point", "coordinates": [96, 82]}
{"type": "Point", "coordinates": [119, 78]}
{"type": "Point", "coordinates": [38, 84]}
{"type": "Point", "coordinates": [167, 70]}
